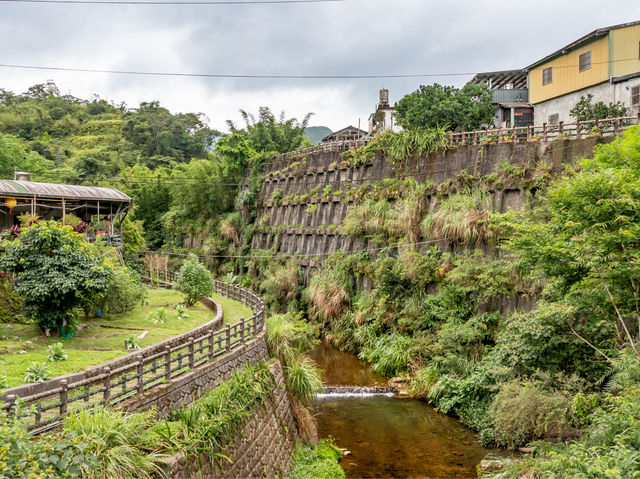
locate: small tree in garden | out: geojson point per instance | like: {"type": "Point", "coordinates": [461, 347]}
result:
{"type": "Point", "coordinates": [56, 270]}
{"type": "Point", "coordinates": [194, 280]}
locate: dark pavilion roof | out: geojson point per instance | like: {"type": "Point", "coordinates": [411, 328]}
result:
{"type": "Point", "coordinates": [52, 190]}
{"type": "Point", "coordinates": [499, 79]}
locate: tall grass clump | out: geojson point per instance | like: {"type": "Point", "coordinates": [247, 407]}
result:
{"type": "Point", "coordinates": [389, 354]}
{"type": "Point", "coordinates": [117, 439]}
{"type": "Point", "coordinates": [288, 335]}
{"type": "Point", "coordinates": [461, 218]}
{"type": "Point", "coordinates": [321, 461]}
{"type": "Point", "coordinates": [329, 294]}
{"type": "Point", "coordinates": [303, 378]}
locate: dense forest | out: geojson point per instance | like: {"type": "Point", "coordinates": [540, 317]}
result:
{"type": "Point", "coordinates": [561, 374]}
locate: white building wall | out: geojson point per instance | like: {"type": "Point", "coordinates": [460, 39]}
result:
{"type": "Point", "coordinates": [605, 92]}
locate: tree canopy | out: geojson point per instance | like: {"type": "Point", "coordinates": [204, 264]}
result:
{"type": "Point", "coordinates": [436, 106]}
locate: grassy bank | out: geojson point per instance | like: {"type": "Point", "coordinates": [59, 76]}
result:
{"type": "Point", "coordinates": [102, 339]}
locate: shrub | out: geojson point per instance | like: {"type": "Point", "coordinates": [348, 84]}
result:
{"type": "Point", "coordinates": [125, 291]}
{"type": "Point", "coordinates": [181, 311]}
{"type": "Point", "coordinates": [282, 286]}
{"type": "Point", "coordinates": [37, 373]}
{"type": "Point", "coordinates": [132, 342]}
{"type": "Point", "coordinates": [57, 353]}
{"type": "Point", "coordinates": [390, 354]}
{"type": "Point", "coordinates": [194, 280]}
{"type": "Point", "coordinates": [328, 295]}
{"type": "Point", "coordinates": [528, 410]}
{"type": "Point", "coordinates": [54, 266]}
{"type": "Point", "coordinates": [321, 461]}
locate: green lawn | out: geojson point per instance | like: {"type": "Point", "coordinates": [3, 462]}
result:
{"type": "Point", "coordinates": [101, 339]}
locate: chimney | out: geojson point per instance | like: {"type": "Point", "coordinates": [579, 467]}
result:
{"type": "Point", "coordinates": [21, 176]}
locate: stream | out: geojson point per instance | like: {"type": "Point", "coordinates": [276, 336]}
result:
{"type": "Point", "coordinates": [388, 437]}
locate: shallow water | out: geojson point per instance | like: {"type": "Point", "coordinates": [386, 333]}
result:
{"type": "Point", "coordinates": [390, 437]}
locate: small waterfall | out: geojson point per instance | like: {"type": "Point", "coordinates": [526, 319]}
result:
{"type": "Point", "coordinates": [355, 391]}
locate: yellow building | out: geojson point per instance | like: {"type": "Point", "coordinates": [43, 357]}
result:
{"type": "Point", "coordinates": [604, 63]}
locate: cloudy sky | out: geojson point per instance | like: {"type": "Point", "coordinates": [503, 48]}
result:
{"type": "Point", "coordinates": [351, 37]}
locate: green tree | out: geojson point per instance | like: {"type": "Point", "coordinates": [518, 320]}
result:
{"type": "Point", "coordinates": [15, 156]}
{"type": "Point", "coordinates": [56, 270]}
{"type": "Point", "coordinates": [194, 280]}
{"type": "Point", "coordinates": [585, 110]}
{"type": "Point", "coordinates": [435, 106]}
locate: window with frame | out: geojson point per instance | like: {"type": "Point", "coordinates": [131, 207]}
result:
{"type": "Point", "coordinates": [547, 75]}
{"type": "Point", "coordinates": [554, 119]}
{"type": "Point", "coordinates": [585, 61]}
{"type": "Point", "coordinates": [635, 95]}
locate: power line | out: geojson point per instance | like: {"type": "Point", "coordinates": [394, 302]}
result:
{"type": "Point", "coordinates": [173, 3]}
{"type": "Point", "coordinates": [256, 76]}
{"type": "Point", "coordinates": [232, 75]}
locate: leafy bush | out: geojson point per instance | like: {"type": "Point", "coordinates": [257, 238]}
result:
{"type": "Point", "coordinates": [54, 266]}
{"type": "Point", "coordinates": [523, 411]}
{"type": "Point", "coordinates": [390, 354]}
{"type": "Point", "coordinates": [181, 311]}
{"type": "Point", "coordinates": [57, 353]}
{"type": "Point", "coordinates": [321, 462]}
{"type": "Point", "coordinates": [125, 291]}
{"type": "Point", "coordinates": [194, 280]}
{"type": "Point", "coordinates": [37, 373]}
{"type": "Point", "coordinates": [132, 342]}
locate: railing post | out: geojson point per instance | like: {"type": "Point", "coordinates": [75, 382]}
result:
{"type": "Point", "coordinates": [167, 364]}
{"type": "Point", "coordinates": [529, 132]}
{"type": "Point", "coordinates": [515, 134]}
{"type": "Point", "coordinates": [140, 374]}
{"type": "Point", "coordinates": [616, 126]}
{"type": "Point", "coordinates": [192, 359]}
{"type": "Point", "coordinates": [544, 132]}
{"type": "Point", "coordinates": [451, 137]}
{"type": "Point", "coordinates": [106, 394]}
{"type": "Point", "coordinates": [228, 338]}
{"type": "Point", "coordinates": [242, 326]}
{"type": "Point", "coordinates": [500, 135]}
{"type": "Point", "coordinates": [464, 139]}
{"type": "Point", "coordinates": [578, 129]}
{"type": "Point", "coordinates": [211, 351]}
{"type": "Point", "coordinates": [64, 396]}
{"type": "Point", "coordinates": [475, 137]}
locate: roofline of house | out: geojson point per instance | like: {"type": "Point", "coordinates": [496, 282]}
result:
{"type": "Point", "coordinates": [600, 32]}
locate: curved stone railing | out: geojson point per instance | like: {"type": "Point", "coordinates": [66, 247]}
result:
{"type": "Point", "coordinates": [135, 375]}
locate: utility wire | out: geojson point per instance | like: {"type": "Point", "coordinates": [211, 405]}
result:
{"type": "Point", "coordinates": [260, 76]}
{"type": "Point", "coordinates": [174, 3]}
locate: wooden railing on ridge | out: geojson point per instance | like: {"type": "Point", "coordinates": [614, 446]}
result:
{"type": "Point", "coordinates": [142, 370]}
{"type": "Point", "coordinates": [544, 132]}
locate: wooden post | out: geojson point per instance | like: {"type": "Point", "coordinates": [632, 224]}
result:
{"type": "Point", "coordinates": [544, 132]}
{"type": "Point", "coordinates": [242, 326]}
{"type": "Point", "coordinates": [500, 135]}
{"type": "Point", "coordinates": [228, 337]}
{"type": "Point", "coordinates": [616, 126]}
{"type": "Point", "coordinates": [192, 359]}
{"type": "Point", "coordinates": [515, 134]}
{"type": "Point", "coordinates": [167, 364]}
{"type": "Point", "coordinates": [64, 210]}
{"type": "Point", "coordinates": [64, 396]}
{"type": "Point", "coordinates": [106, 394]}
{"type": "Point", "coordinates": [464, 139]}
{"type": "Point", "coordinates": [211, 351]}
{"type": "Point", "coordinates": [578, 129]}
{"type": "Point", "coordinates": [475, 137]}
{"type": "Point", "coordinates": [529, 132]}
{"type": "Point", "coordinates": [140, 375]}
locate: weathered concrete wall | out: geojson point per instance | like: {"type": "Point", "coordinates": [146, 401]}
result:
{"type": "Point", "coordinates": [262, 448]}
{"type": "Point", "coordinates": [294, 231]}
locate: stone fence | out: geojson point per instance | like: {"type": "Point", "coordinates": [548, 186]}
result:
{"type": "Point", "coordinates": [165, 374]}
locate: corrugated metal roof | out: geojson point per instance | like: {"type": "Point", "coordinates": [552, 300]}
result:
{"type": "Point", "coordinates": [52, 190]}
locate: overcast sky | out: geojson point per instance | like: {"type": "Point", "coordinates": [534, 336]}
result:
{"type": "Point", "coordinates": [351, 37]}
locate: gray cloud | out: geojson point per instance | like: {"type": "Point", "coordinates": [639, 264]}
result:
{"type": "Point", "coordinates": [352, 37]}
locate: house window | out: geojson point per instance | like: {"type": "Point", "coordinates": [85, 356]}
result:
{"type": "Point", "coordinates": [554, 119]}
{"type": "Point", "coordinates": [585, 61]}
{"type": "Point", "coordinates": [547, 76]}
{"type": "Point", "coordinates": [635, 95]}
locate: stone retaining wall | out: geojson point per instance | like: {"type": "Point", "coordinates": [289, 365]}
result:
{"type": "Point", "coordinates": [262, 448]}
